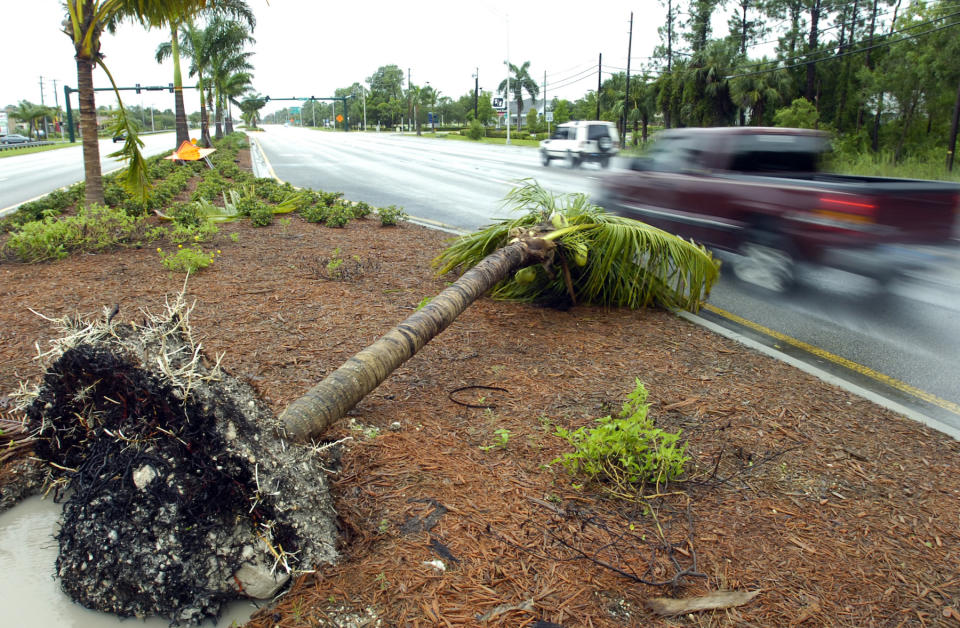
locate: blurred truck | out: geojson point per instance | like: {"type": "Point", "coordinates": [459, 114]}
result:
{"type": "Point", "coordinates": [760, 192]}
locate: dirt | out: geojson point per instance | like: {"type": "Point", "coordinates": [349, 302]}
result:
{"type": "Point", "coordinates": [837, 511]}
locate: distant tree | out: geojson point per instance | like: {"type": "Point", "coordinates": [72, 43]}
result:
{"type": "Point", "coordinates": [251, 106]}
{"type": "Point", "coordinates": [561, 111]}
{"type": "Point", "coordinates": [800, 114]}
{"type": "Point", "coordinates": [520, 82]}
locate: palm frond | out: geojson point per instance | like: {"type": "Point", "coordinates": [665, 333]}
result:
{"type": "Point", "coordinates": [625, 262]}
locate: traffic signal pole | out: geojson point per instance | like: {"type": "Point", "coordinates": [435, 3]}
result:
{"type": "Point", "coordinates": [67, 90]}
{"type": "Point", "coordinates": [343, 99]}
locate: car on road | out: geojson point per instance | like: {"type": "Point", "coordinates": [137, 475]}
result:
{"type": "Point", "coordinates": [119, 137]}
{"type": "Point", "coordinates": [581, 141]}
{"type": "Point", "coordinates": [14, 138]}
{"type": "Point", "coordinates": [760, 192]}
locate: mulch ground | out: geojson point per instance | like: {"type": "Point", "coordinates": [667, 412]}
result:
{"type": "Point", "coordinates": [837, 511]}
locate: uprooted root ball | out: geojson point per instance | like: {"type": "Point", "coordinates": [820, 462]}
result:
{"type": "Point", "coordinates": [181, 496]}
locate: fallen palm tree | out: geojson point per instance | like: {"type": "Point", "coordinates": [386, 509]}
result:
{"type": "Point", "coordinates": [183, 490]}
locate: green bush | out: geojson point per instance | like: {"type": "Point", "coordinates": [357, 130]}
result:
{"type": "Point", "coordinates": [93, 229]}
{"type": "Point", "coordinates": [261, 215]}
{"type": "Point", "coordinates": [476, 130]}
{"type": "Point", "coordinates": [392, 215]}
{"type": "Point", "coordinates": [249, 205]}
{"type": "Point", "coordinates": [338, 215]}
{"type": "Point", "coordinates": [315, 213]}
{"type": "Point", "coordinates": [361, 209]}
{"type": "Point", "coordinates": [186, 260]}
{"type": "Point", "coordinates": [623, 455]}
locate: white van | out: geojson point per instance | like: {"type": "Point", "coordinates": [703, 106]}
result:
{"type": "Point", "coordinates": [580, 141]}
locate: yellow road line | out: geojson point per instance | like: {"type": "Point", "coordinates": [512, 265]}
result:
{"type": "Point", "coordinates": [840, 361]}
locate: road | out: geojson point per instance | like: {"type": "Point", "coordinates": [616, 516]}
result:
{"type": "Point", "coordinates": [23, 177]}
{"type": "Point", "coordinates": [901, 340]}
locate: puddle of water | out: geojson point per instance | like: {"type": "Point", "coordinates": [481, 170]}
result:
{"type": "Point", "coordinates": [28, 554]}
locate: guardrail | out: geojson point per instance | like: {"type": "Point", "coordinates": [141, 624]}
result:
{"type": "Point", "coordinates": [24, 145]}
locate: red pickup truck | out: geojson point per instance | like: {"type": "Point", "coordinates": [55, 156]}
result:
{"type": "Point", "coordinates": [758, 192]}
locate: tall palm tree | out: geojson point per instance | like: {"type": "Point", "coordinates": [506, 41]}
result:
{"type": "Point", "coordinates": [251, 105]}
{"type": "Point", "coordinates": [520, 82]}
{"type": "Point", "coordinates": [757, 90]}
{"type": "Point", "coordinates": [584, 254]}
{"type": "Point", "coordinates": [235, 9]}
{"type": "Point", "coordinates": [234, 87]}
{"type": "Point", "coordinates": [28, 112]}
{"type": "Point", "coordinates": [84, 24]}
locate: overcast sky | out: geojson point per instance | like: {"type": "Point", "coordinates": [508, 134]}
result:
{"type": "Point", "coordinates": [310, 47]}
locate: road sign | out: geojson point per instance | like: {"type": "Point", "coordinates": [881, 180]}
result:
{"type": "Point", "coordinates": [339, 117]}
{"type": "Point", "coordinates": [498, 103]}
{"type": "Point", "coordinates": [501, 113]}
{"type": "Point", "coordinates": [549, 116]}
{"type": "Point", "coordinates": [294, 109]}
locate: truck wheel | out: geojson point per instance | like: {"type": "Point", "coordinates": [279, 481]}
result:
{"type": "Point", "coordinates": [544, 158]}
{"type": "Point", "coordinates": [766, 262]}
{"type": "Point", "coordinates": [573, 160]}
{"type": "Point", "coordinates": [604, 162]}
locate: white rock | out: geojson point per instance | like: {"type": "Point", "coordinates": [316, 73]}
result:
{"type": "Point", "coordinates": [143, 476]}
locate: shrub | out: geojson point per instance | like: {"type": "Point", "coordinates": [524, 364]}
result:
{"type": "Point", "coordinates": [392, 215]}
{"type": "Point", "coordinates": [338, 215]}
{"type": "Point", "coordinates": [360, 209]}
{"type": "Point", "coordinates": [476, 130]}
{"type": "Point", "coordinates": [189, 260]}
{"type": "Point", "coordinates": [315, 213]}
{"type": "Point", "coordinates": [93, 229]}
{"type": "Point", "coordinates": [261, 215]}
{"type": "Point", "coordinates": [248, 205]}
{"type": "Point", "coordinates": [625, 454]}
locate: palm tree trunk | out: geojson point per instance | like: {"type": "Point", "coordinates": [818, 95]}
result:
{"type": "Point", "coordinates": [183, 132]}
{"type": "Point", "coordinates": [229, 123]}
{"type": "Point", "coordinates": [93, 189]}
{"type": "Point", "coordinates": [218, 115]}
{"type": "Point", "coordinates": [307, 417]}
{"type": "Point", "coordinates": [204, 119]}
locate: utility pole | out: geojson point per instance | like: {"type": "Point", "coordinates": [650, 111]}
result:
{"type": "Point", "coordinates": [56, 102]}
{"type": "Point", "coordinates": [46, 134]}
{"type": "Point", "coordinates": [409, 101]}
{"type": "Point", "coordinates": [476, 88]}
{"type": "Point", "coordinates": [626, 98]}
{"type": "Point", "coordinates": [508, 79]}
{"type": "Point", "coordinates": [599, 77]}
{"type": "Point", "coordinates": [545, 101]}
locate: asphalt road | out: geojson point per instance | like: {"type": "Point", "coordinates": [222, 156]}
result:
{"type": "Point", "coordinates": [901, 340]}
{"type": "Point", "coordinates": [23, 177]}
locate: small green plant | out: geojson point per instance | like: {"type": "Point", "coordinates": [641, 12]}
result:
{"type": "Point", "coordinates": [234, 237]}
{"type": "Point", "coordinates": [476, 130]}
{"type": "Point", "coordinates": [392, 215]}
{"type": "Point", "coordinates": [423, 303]}
{"type": "Point", "coordinates": [384, 526]}
{"type": "Point", "coordinates": [186, 260]}
{"type": "Point", "coordinates": [285, 224]}
{"type": "Point", "coordinates": [334, 263]}
{"type": "Point", "coordinates": [361, 209]}
{"type": "Point", "coordinates": [623, 455]}
{"type": "Point", "coordinates": [261, 215]}
{"type": "Point", "coordinates": [338, 216]}
{"type": "Point", "coordinates": [503, 437]}
{"type": "Point", "coordinates": [315, 213]}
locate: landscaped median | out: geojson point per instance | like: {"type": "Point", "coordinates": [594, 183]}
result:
{"type": "Point", "coordinates": [514, 470]}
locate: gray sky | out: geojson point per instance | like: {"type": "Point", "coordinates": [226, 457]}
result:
{"type": "Point", "coordinates": [310, 47]}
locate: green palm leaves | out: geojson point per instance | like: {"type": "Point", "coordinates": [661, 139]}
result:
{"type": "Point", "coordinates": [600, 258]}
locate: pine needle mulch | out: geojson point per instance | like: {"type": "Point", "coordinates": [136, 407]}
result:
{"type": "Point", "coordinates": [838, 512]}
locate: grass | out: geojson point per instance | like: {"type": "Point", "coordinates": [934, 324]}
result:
{"type": "Point", "coordinates": [34, 149]}
{"type": "Point", "coordinates": [483, 140]}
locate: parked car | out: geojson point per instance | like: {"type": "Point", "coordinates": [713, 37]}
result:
{"type": "Point", "coordinates": [14, 138]}
{"type": "Point", "coordinates": [580, 141]}
{"type": "Point", "coordinates": [119, 137]}
{"type": "Point", "coordinates": [759, 192]}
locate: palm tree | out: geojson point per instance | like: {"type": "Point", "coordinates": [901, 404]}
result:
{"type": "Point", "coordinates": [251, 106]}
{"type": "Point", "coordinates": [762, 87]}
{"type": "Point", "coordinates": [584, 254]}
{"type": "Point", "coordinates": [519, 83]}
{"type": "Point", "coordinates": [224, 62]}
{"type": "Point", "coordinates": [85, 22]}
{"type": "Point", "coordinates": [234, 87]}
{"type": "Point", "coordinates": [28, 112]}
{"type": "Point", "coordinates": [236, 9]}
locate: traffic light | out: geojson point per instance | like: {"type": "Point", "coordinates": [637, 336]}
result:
{"type": "Point", "coordinates": [266, 99]}
{"type": "Point", "coordinates": [138, 88]}
{"type": "Point", "coordinates": [171, 87]}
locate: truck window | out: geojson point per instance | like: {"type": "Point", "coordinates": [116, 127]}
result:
{"type": "Point", "coordinates": [596, 131]}
{"type": "Point", "coordinates": [777, 153]}
{"type": "Point", "coordinates": [560, 133]}
{"type": "Point", "coordinates": [676, 154]}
